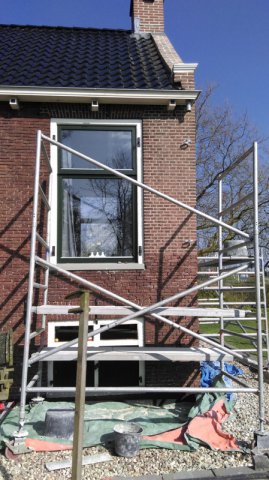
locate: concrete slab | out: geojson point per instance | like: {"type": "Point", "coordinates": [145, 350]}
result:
{"type": "Point", "coordinates": [261, 442]}
{"type": "Point", "coordinates": [261, 461]}
{"type": "Point", "coordinates": [188, 475]}
{"type": "Point", "coordinates": [143, 477]}
{"type": "Point", "coordinates": [232, 472]}
{"type": "Point", "coordinates": [237, 473]}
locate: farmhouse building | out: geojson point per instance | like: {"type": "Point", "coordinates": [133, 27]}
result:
{"type": "Point", "coordinates": [126, 99]}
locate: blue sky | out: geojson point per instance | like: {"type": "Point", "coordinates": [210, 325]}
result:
{"type": "Point", "coordinates": [228, 38]}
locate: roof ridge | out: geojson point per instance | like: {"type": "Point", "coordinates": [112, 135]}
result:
{"type": "Point", "coordinates": [59, 27]}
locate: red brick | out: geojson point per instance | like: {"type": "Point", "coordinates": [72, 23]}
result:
{"type": "Point", "coordinates": [171, 266]}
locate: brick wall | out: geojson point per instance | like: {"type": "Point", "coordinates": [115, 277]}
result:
{"type": "Point", "coordinates": [185, 80]}
{"type": "Point", "coordinates": [171, 262]}
{"type": "Point", "coordinates": [149, 14]}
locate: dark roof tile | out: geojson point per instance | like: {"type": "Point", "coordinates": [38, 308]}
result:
{"type": "Point", "coordinates": [80, 58]}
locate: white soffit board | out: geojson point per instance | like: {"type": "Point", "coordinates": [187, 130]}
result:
{"type": "Point", "coordinates": [147, 97]}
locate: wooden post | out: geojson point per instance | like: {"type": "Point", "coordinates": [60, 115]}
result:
{"type": "Point", "coordinates": [80, 385]}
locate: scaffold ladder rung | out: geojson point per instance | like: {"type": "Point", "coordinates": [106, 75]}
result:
{"type": "Point", "coordinates": [158, 311]}
{"type": "Point", "coordinates": [40, 285]}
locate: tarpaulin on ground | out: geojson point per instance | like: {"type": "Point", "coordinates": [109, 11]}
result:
{"type": "Point", "coordinates": [204, 429]}
{"type": "Point", "coordinates": [204, 426]}
{"type": "Point", "coordinates": [100, 419]}
{"type": "Point", "coordinates": [210, 370]}
{"type": "Point", "coordinates": [174, 425]}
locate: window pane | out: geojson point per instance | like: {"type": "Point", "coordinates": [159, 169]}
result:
{"type": "Point", "coordinates": [121, 332]}
{"type": "Point", "coordinates": [118, 374]}
{"type": "Point", "coordinates": [97, 218]}
{"type": "Point", "coordinates": [64, 374]}
{"type": "Point", "coordinates": [66, 333]}
{"type": "Point", "coordinates": [111, 147]}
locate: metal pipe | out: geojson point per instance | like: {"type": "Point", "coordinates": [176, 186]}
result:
{"type": "Point", "coordinates": [44, 198]}
{"type": "Point", "coordinates": [248, 350]}
{"type": "Point", "coordinates": [240, 335]}
{"type": "Point", "coordinates": [213, 261]}
{"type": "Point", "coordinates": [41, 240]}
{"type": "Point", "coordinates": [246, 319]}
{"type": "Point", "coordinates": [231, 288]}
{"type": "Point", "coordinates": [48, 252]}
{"type": "Point", "coordinates": [258, 286]}
{"type": "Point", "coordinates": [235, 379]}
{"type": "Point", "coordinates": [239, 245]}
{"type": "Point", "coordinates": [220, 266]}
{"type": "Point", "coordinates": [138, 389]}
{"type": "Point", "coordinates": [244, 329]}
{"type": "Point", "coordinates": [229, 257]}
{"type": "Point", "coordinates": [236, 163]}
{"type": "Point", "coordinates": [237, 204]}
{"type": "Point", "coordinates": [145, 187]}
{"type": "Point", "coordinates": [265, 319]}
{"type": "Point", "coordinates": [33, 381]}
{"type": "Point", "coordinates": [201, 273]}
{"type": "Point", "coordinates": [140, 312]}
{"type": "Point", "coordinates": [36, 333]}
{"type": "Point", "coordinates": [234, 303]}
{"type": "Point", "coordinates": [30, 287]}
{"type": "Point", "coordinates": [214, 273]}
{"type": "Point", "coordinates": [46, 156]}
{"type": "Point", "coordinates": [212, 335]}
{"type": "Point", "coordinates": [40, 285]}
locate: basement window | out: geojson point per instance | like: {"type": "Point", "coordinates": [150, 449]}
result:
{"type": "Point", "coordinates": [67, 333]}
{"type": "Point", "coordinates": [127, 334]}
{"type": "Point", "coordinates": [98, 214]}
{"type": "Point", "coordinates": [99, 373]}
{"type": "Point", "coordinates": [121, 332]}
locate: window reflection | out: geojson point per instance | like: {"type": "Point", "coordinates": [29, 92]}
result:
{"type": "Point", "coordinates": [97, 218]}
{"type": "Point", "coordinates": [110, 147]}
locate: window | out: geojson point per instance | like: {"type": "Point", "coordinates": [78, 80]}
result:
{"type": "Point", "coordinates": [101, 373]}
{"type": "Point", "coordinates": [126, 334]}
{"type": "Point", "coordinates": [99, 214]}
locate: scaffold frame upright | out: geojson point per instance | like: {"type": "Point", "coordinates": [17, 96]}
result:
{"type": "Point", "coordinates": [158, 311]}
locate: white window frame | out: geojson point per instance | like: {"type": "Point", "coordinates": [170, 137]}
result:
{"type": "Point", "coordinates": [97, 342]}
{"type": "Point", "coordinates": [117, 265]}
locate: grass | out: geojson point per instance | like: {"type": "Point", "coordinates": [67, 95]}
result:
{"type": "Point", "coordinates": [235, 342]}
{"type": "Point", "coordinates": [236, 297]}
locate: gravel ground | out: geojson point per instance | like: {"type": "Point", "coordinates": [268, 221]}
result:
{"type": "Point", "coordinates": [241, 424]}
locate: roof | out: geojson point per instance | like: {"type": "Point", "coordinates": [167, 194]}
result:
{"type": "Point", "coordinates": [71, 57]}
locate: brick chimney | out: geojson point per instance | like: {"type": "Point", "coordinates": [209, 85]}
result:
{"type": "Point", "coordinates": [147, 16]}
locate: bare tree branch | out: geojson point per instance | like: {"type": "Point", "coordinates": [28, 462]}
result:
{"type": "Point", "coordinates": [221, 138]}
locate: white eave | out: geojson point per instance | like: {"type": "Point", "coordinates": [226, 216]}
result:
{"type": "Point", "coordinates": [184, 67]}
{"type": "Point", "coordinates": [84, 95]}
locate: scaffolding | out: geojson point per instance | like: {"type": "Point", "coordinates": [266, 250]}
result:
{"type": "Point", "coordinates": [216, 349]}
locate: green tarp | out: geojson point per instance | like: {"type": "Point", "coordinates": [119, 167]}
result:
{"type": "Point", "coordinates": [101, 417]}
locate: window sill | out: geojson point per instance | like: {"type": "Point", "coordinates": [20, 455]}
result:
{"type": "Point", "coordinates": [102, 266]}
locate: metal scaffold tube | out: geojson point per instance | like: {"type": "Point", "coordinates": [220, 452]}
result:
{"type": "Point", "coordinates": [141, 311]}
{"type": "Point", "coordinates": [220, 266]}
{"type": "Point", "coordinates": [264, 318]}
{"type": "Point", "coordinates": [146, 187]}
{"type": "Point", "coordinates": [260, 314]}
{"type": "Point", "coordinates": [48, 252]}
{"type": "Point", "coordinates": [218, 278]}
{"type": "Point", "coordinates": [148, 389]}
{"type": "Point", "coordinates": [30, 286]}
{"type": "Point", "coordinates": [258, 287]}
